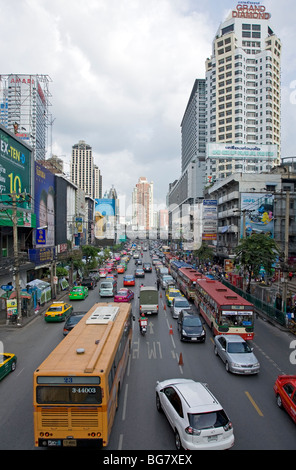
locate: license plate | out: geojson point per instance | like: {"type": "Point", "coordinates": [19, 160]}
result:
{"type": "Point", "coordinates": [193, 339]}
{"type": "Point", "coordinates": [212, 438]}
{"type": "Point", "coordinates": [69, 443]}
{"type": "Point", "coordinates": [53, 443]}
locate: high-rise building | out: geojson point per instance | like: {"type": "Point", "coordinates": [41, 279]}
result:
{"type": "Point", "coordinates": [244, 93]}
{"type": "Point", "coordinates": [142, 204]}
{"type": "Point", "coordinates": [24, 109]}
{"type": "Point", "coordinates": [84, 173]}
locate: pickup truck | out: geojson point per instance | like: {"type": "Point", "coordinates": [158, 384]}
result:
{"type": "Point", "coordinates": [148, 300]}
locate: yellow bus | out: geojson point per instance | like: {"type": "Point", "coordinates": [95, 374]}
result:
{"type": "Point", "coordinates": [76, 388]}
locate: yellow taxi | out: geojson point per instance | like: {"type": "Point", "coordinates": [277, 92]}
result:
{"type": "Point", "coordinates": [170, 293]}
{"type": "Point", "coordinates": [7, 364]}
{"type": "Point", "coordinates": [58, 311]}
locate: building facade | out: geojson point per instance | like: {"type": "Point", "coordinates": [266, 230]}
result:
{"type": "Point", "coordinates": [142, 204]}
{"type": "Point", "coordinates": [244, 90]}
{"type": "Point", "coordinates": [24, 109]}
{"type": "Point", "coordinates": [84, 173]}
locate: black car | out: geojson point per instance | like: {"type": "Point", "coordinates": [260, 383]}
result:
{"type": "Point", "coordinates": [147, 267]}
{"type": "Point", "coordinates": [139, 272]}
{"type": "Point", "coordinates": [72, 320]}
{"type": "Point", "coordinates": [190, 326]}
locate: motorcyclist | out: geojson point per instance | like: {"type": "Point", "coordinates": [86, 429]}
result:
{"type": "Point", "coordinates": [143, 320]}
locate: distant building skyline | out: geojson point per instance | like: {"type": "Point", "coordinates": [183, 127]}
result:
{"type": "Point", "coordinates": [142, 204]}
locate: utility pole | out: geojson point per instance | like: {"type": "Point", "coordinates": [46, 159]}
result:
{"type": "Point", "coordinates": [16, 259]}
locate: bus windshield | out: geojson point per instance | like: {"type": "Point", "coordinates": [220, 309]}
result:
{"type": "Point", "coordinates": [231, 319]}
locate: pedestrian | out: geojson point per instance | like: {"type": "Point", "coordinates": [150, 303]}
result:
{"type": "Point", "coordinates": [290, 275]}
{"type": "Point", "coordinates": [158, 283]}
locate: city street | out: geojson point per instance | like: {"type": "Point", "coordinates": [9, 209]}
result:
{"type": "Point", "coordinates": [249, 400]}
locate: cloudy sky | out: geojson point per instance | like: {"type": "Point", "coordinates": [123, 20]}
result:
{"type": "Point", "coordinates": [122, 72]}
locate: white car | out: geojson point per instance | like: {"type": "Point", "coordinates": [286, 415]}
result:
{"type": "Point", "coordinates": [197, 418]}
{"type": "Point", "coordinates": [178, 304]}
{"type": "Point", "coordinates": [236, 353]}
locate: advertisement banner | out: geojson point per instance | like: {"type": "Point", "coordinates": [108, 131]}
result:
{"type": "Point", "coordinates": [105, 218]}
{"type": "Point", "coordinates": [242, 151]}
{"type": "Point", "coordinates": [44, 204]}
{"type": "Point", "coordinates": [209, 219]}
{"type": "Point", "coordinates": [15, 170]}
{"type": "Point", "coordinates": [258, 210]}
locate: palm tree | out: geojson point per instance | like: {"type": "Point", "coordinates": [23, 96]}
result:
{"type": "Point", "coordinates": [254, 252]}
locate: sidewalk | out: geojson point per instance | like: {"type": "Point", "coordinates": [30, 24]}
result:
{"type": "Point", "coordinates": [28, 319]}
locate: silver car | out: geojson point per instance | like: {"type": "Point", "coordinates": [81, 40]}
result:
{"type": "Point", "coordinates": [178, 304]}
{"type": "Point", "coordinates": [236, 354]}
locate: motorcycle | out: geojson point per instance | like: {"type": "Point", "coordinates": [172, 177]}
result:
{"type": "Point", "coordinates": [143, 327]}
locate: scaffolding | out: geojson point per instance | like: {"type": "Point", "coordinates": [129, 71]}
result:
{"type": "Point", "coordinates": [24, 110]}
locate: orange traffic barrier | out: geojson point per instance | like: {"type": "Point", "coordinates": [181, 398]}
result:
{"type": "Point", "coordinates": [181, 363]}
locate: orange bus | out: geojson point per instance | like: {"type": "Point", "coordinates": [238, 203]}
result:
{"type": "Point", "coordinates": [76, 388]}
{"type": "Point", "coordinates": [186, 280]}
{"type": "Point", "coordinates": [224, 311]}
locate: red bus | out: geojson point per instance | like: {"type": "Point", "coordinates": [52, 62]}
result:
{"type": "Point", "coordinates": [186, 280]}
{"type": "Point", "coordinates": [224, 311]}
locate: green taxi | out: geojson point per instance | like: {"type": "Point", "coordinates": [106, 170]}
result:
{"type": "Point", "coordinates": [7, 364]}
{"type": "Point", "coordinates": [78, 293]}
{"type": "Point", "coordinates": [170, 293]}
{"type": "Point", "coordinates": [58, 311]}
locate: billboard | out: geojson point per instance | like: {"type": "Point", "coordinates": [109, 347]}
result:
{"type": "Point", "coordinates": [242, 151]}
{"type": "Point", "coordinates": [15, 169]}
{"type": "Point", "coordinates": [258, 210]}
{"type": "Point", "coordinates": [105, 218]}
{"type": "Point", "coordinates": [209, 219]}
{"type": "Point", "coordinates": [44, 205]}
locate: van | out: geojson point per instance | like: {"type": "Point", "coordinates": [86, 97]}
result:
{"type": "Point", "coordinates": [162, 272]}
{"type": "Point", "coordinates": [108, 288]}
{"type": "Point", "coordinates": [148, 300]}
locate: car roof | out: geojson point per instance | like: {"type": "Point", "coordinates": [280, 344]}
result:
{"type": "Point", "coordinates": [196, 395]}
{"type": "Point", "coordinates": [233, 338]}
{"type": "Point", "coordinates": [190, 313]}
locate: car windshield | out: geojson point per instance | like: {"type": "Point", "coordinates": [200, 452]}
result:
{"type": "Point", "coordinates": [174, 294]}
{"type": "Point", "coordinates": [214, 419]}
{"type": "Point", "coordinates": [55, 309]}
{"type": "Point", "coordinates": [106, 285]}
{"type": "Point", "coordinates": [238, 348]}
{"type": "Point", "coordinates": [181, 303]}
{"type": "Point", "coordinates": [191, 321]}
{"type": "Point", "coordinates": [73, 320]}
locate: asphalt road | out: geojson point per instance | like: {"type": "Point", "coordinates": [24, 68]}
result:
{"type": "Point", "coordinates": [249, 400]}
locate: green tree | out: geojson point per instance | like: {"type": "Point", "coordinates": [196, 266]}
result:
{"type": "Point", "coordinates": [204, 253]}
{"type": "Point", "coordinates": [254, 252]}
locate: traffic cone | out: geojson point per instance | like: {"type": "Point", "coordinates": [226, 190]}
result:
{"type": "Point", "coordinates": [164, 307]}
{"type": "Point", "coordinates": [181, 363]}
{"type": "Point", "coordinates": [171, 330]}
